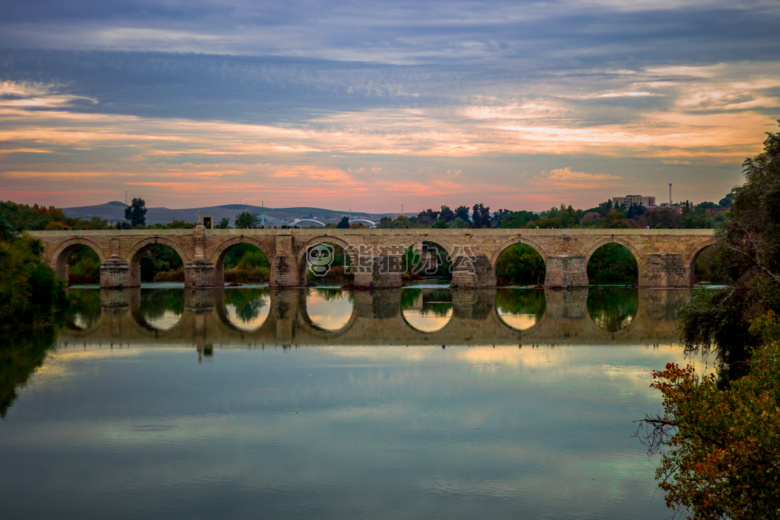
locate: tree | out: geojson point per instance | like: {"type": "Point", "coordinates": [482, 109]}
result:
{"type": "Point", "coordinates": [614, 220]}
{"type": "Point", "coordinates": [462, 212]}
{"type": "Point", "coordinates": [344, 223]}
{"type": "Point", "coordinates": [722, 453]}
{"type": "Point", "coordinates": [246, 220]}
{"type": "Point", "coordinates": [721, 436]}
{"type": "Point", "coordinates": [136, 212]}
{"type": "Point", "coordinates": [446, 214]}
{"type": "Point", "coordinates": [224, 223]}
{"type": "Point", "coordinates": [480, 216]}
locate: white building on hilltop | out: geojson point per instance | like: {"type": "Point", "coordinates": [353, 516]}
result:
{"type": "Point", "coordinates": [636, 200]}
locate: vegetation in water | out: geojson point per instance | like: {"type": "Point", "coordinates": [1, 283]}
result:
{"type": "Point", "coordinates": [613, 308]}
{"type": "Point", "coordinates": [522, 301]}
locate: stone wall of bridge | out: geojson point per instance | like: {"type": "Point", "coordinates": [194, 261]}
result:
{"type": "Point", "coordinates": [664, 257]}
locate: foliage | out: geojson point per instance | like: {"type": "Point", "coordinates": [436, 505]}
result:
{"type": "Point", "coordinates": [462, 212]}
{"type": "Point", "coordinates": [612, 264]}
{"type": "Point", "coordinates": [709, 267]}
{"type": "Point", "coordinates": [159, 258]}
{"type": "Point", "coordinates": [614, 219]}
{"type": "Point", "coordinates": [749, 248]}
{"type": "Point", "coordinates": [480, 216]}
{"type": "Point", "coordinates": [83, 265]}
{"type": "Point", "coordinates": [520, 264]}
{"type": "Point", "coordinates": [29, 289]}
{"type": "Point", "coordinates": [247, 255]}
{"type": "Point", "coordinates": [135, 213]}
{"type": "Point", "coordinates": [343, 223]}
{"type": "Point", "coordinates": [518, 219]}
{"type": "Point", "coordinates": [720, 457]}
{"type": "Point", "coordinates": [22, 217]}
{"type": "Point", "coordinates": [246, 220]}
{"type": "Point", "coordinates": [224, 223]}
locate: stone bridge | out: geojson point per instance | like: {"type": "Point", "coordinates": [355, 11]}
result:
{"type": "Point", "coordinates": [665, 257]}
{"type": "Point", "coordinates": [376, 319]}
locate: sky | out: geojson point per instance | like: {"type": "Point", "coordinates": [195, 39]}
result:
{"type": "Point", "coordinates": [382, 105]}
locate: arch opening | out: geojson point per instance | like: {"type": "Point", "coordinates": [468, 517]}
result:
{"type": "Point", "coordinates": [326, 263]}
{"type": "Point", "coordinates": [329, 309]}
{"type": "Point", "coordinates": [243, 263]}
{"type": "Point", "coordinates": [157, 262]}
{"type": "Point", "coordinates": [613, 264]}
{"type": "Point", "coordinates": [709, 267]}
{"type": "Point", "coordinates": [520, 265]}
{"type": "Point", "coordinates": [520, 309]}
{"type": "Point", "coordinates": [81, 265]}
{"type": "Point", "coordinates": [426, 310]}
{"type": "Point", "coordinates": [161, 309]}
{"type": "Point", "coordinates": [613, 308]}
{"type": "Point", "coordinates": [247, 309]}
{"type": "Point", "coordinates": [427, 262]}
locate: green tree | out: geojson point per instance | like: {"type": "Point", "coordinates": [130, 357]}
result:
{"type": "Point", "coordinates": [344, 223]}
{"type": "Point", "coordinates": [614, 219]}
{"type": "Point", "coordinates": [446, 214]}
{"type": "Point", "coordinates": [246, 220]}
{"type": "Point", "coordinates": [224, 223]}
{"type": "Point", "coordinates": [135, 213]}
{"type": "Point", "coordinates": [480, 216]}
{"type": "Point", "coordinates": [462, 212]}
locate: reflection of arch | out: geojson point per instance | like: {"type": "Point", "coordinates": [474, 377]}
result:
{"type": "Point", "coordinates": [138, 249]}
{"type": "Point", "coordinates": [320, 331]}
{"type": "Point", "coordinates": [408, 313]}
{"type": "Point", "coordinates": [519, 240]}
{"type": "Point", "coordinates": [144, 325]}
{"type": "Point", "coordinates": [224, 315]}
{"type": "Point", "coordinates": [593, 293]}
{"type": "Point", "coordinates": [538, 317]}
{"type": "Point", "coordinates": [322, 239]}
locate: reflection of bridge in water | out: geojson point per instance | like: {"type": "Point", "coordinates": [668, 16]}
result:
{"type": "Point", "coordinates": [376, 319]}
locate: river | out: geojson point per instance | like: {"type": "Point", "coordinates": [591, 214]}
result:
{"type": "Point", "coordinates": [424, 402]}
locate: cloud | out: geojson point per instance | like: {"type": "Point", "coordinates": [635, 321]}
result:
{"type": "Point", "coordinates": [565, 174]}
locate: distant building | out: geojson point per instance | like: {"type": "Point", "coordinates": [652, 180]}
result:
{"type": "Point", "coordinates": [637, 200]}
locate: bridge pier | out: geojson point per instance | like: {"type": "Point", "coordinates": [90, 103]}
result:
{"type": "Point", "coordinates": [472, 272]}
{"type": "Point", "coordinates": [664, 270]}
{"type": "Point", "coordinates": [378, 272]}
{"type": "Point", "coordinates": [566, 270]}
{"type": "Point", "coordinates": [115, 274]}
{"type": "Point", "coordinates": [200, 273]}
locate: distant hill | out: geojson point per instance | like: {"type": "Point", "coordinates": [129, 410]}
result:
{"type": "Point", "coordinates": [115, 211]}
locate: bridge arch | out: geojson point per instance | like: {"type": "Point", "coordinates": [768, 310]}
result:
{"type": "Point", "coordinates": [222, 250]}
{"type": "Point", "coordinates": [60, 255]}
{"type": "Point", "coordinates": [140, 247]}
{"type": "Point", "coordinates": [321, 239]}
{"type": "Point", "coordinates": [612, 239]}
{"type": "Point", "coordinates": [693, 253]}
{"type": "Point", "coordinates": [519, 240]}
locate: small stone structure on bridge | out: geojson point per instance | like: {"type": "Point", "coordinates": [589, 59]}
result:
{"type": "Point", "coordinates": [665, 257]}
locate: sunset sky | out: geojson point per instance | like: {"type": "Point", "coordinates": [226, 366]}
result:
{"type": "Point", "coordinates": [371, 105]}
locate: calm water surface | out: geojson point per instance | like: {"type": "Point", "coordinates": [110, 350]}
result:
{"type": "Point", "coordinates": [414, 403]}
